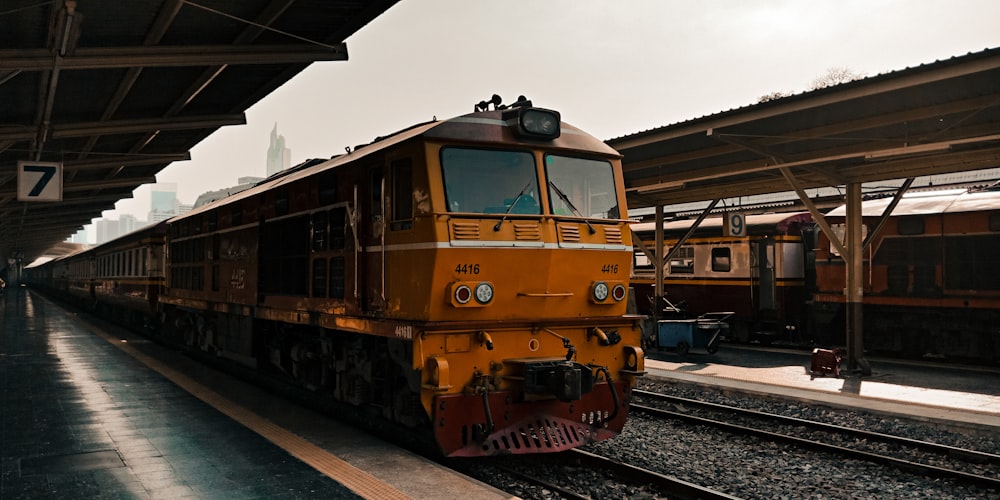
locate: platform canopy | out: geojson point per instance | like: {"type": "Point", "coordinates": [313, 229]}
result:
{"type": "Point", "coordinates": [108, 93]}
{"type": "Point", "coordinates": [936, 118]}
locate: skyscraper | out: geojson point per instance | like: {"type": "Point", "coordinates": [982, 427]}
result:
{"type": "Point", "coordinates": [163, 204]}
{"type": "Point", "coordinates": [278, 156]}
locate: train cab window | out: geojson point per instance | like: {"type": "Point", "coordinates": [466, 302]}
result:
{"type": "Point", "coordinates": [402, 195]}
{"type": "Point", "coordinates": [582, 187]}
{"type": "Point", "coordinates": [490, 182]}
{"type": "Point", "coordinates": [683, 261]}
{"type": "Point", "coordinates": [721, 260]}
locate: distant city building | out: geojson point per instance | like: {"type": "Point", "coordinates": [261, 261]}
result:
{"type": "Point", "coordinates": [107, 230]}
{"type": "Point", "coordinates": [163, 204]}
{"type": "Point", "coordinates": [81, 237]}
{"type": "Point", "coordinates": [278, 156]}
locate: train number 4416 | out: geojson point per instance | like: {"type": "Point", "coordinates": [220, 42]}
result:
{"type": "Point", "coordinates": [609, 269]}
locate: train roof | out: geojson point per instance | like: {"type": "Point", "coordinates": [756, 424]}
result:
{"type": "Point", "coordinates": [930, 202]}
{"type": "Point", "coordinates": [779, 221]}
{"type": "Point", "coordinates": [479, 126]}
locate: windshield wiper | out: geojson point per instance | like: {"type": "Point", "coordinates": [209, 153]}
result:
{"type": "Point", "coordinates": [511, 207]}
{"type": "Point", "coordinates": [568, 203]}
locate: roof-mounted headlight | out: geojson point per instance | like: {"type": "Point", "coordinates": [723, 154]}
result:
{"type": "Point", "coordinates": [538, 122]}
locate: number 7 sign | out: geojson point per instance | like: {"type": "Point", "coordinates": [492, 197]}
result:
{"type": "Point", "coordinates": [39, 181]}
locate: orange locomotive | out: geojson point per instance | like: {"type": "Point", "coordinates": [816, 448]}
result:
{"type": "Point", "coordinates": [468, 276]}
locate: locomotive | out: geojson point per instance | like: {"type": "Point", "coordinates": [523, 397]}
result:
{"type": "Point", "coordinates": [465, 278]}
{"type": "Point", "coordinates": [759, 277]}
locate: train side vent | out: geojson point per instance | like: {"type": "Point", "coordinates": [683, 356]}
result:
{"type": "Point", "coordinates": [613, 235]}
{"type": "Point", "coordinates": [464, 230]}
{"type": "Point", "coordinates": [527, 232]}
{"type": "Point", "coordinates": [569, 233]}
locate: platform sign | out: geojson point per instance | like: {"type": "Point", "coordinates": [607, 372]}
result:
{"type": "Point", "coordinates": [39, 181]}
{"type": "Point", "coordinates": [735, 224]}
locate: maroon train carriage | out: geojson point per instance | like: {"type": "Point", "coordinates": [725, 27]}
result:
{"type": "Point", "coordinates": [759, 277]}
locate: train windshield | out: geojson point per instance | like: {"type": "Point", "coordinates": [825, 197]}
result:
{"type": "Point", "coordinates": [581, 187]}
{"type": "Point", "coordinates": [490, 181]}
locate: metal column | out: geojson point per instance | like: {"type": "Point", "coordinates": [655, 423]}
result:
{"type": "Point", "coordinates": [855, 284]}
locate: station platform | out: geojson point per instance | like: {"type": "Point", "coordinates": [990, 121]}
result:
{"type": "Point", "coordinates": [967, 397]}
{"type": "Point", "coordinates": [93, 412]}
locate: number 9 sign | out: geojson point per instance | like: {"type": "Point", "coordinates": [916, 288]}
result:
{"type": "Point", "coordinates": [736, 224]}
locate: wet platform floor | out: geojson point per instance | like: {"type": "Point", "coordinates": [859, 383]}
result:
{"type": "Point", "coordinates": [81, 417]}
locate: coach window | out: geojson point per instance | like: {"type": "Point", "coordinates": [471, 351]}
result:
{"type": "Point", "coordinates": [338, 228]}
{"type": "Point", "coordinates": [490, 182]}
{"type": "Point", "coordinates": [236, 216]}
{"type": "Point", "coordinates": [327, 188]}
{"type": "Point", "coordinates": [319, 231]}
{"type": "Point", "coordinates": [721, 260]}
{"type": "Point", "coordinates": [683, 261]}
{"type": "Point", "coordinates": [213, 221]}
{"type": "Point", "coordinates": [319, 278]}
{"type": "Point", "coordinates": [402, 195]}
{"type": "Point", "coordinates": [338, 277]}
{"type": "Point", "coordinates": [281, 203]}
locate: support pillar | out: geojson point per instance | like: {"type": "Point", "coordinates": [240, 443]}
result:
{"type": "Point", "coordinates": [854, 291]}
{"type": "Point", "coordinates": [658, 265]}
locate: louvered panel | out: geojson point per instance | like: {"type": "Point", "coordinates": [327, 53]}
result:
{"type": "Point", "coordinates": [464, 230]}
{"type": "Point", "coordinates": [527, 232]}
{"type": "Point", "coordinates": [569, 233]}
{"type": "Point", "coordinates": [613, 235]}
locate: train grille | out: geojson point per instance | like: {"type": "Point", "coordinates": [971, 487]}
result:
{"type": "Point", "coordinates": [613, 235]}
{"type": "Point", "coordinates": [539, 436]}
{"type": "Point", "coordinates": [569, 232]}
{"type": "Point", "coordinates": [529, 232]}
{"type": "Point", "coordinates": [465, 230]}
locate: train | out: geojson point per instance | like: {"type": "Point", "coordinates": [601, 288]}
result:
{"type": "Point", "coordinates": [931, 277]}
{"type": "Point", "coordinates": [463, 279]}
{"type": "Point", "coordinates": [758, 276]}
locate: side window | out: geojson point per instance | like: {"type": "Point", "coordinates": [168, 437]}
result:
{"type": "Point", "coordinates": [402, 195]}
{"type": "Point", "coordinates": [319, 231]}
{"type": "Point", "coordinates": [683, 261]}
{"type": "Point", "coordinates": [721, 260]}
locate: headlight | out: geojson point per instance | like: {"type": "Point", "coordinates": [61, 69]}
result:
{"type": "Point", "coordinates": [600, 291]}
{"type": "Point", "coordinates": [484, 293]}
{"type": "Point", "coordinates": [537, 122]}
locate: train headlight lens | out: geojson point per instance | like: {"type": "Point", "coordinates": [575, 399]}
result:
{"type": "Point", "coordinates": [618, 293]}
{"type": "Point", "coordinates": [539, 122]}
{"type": "Point", "coordinates": [463, 294]}
{"type": "Point", "coordinates": [484, 293]}
{"type": "Point", "coordinates": [600, 291]}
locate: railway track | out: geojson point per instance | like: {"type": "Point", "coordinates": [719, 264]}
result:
{"type": "Point", "coordinates": [577, 475]}
{"type": "Point", "coordinates": [921, 457]}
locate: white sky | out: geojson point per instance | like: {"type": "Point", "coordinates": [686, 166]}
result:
{"type": "Point", "coordinates": [611, 68]}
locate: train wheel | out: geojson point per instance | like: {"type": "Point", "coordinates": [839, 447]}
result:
{"type": "Point", "coordinates": [683, 348]}
{"type": "Point", "coordinates": [712, 348]}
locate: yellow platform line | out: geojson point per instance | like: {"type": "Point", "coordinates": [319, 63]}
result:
{"type": "Point", "coordinates": [353, 478]}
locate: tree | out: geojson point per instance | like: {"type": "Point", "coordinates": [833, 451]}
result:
{"type": "Point", "coordinates": [835, 76]}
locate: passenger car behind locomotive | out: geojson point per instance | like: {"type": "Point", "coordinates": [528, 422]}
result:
{"type": "Point", "coordinates": [465, 277]}
{"type": "Point", "coordinates": [931, 278]}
